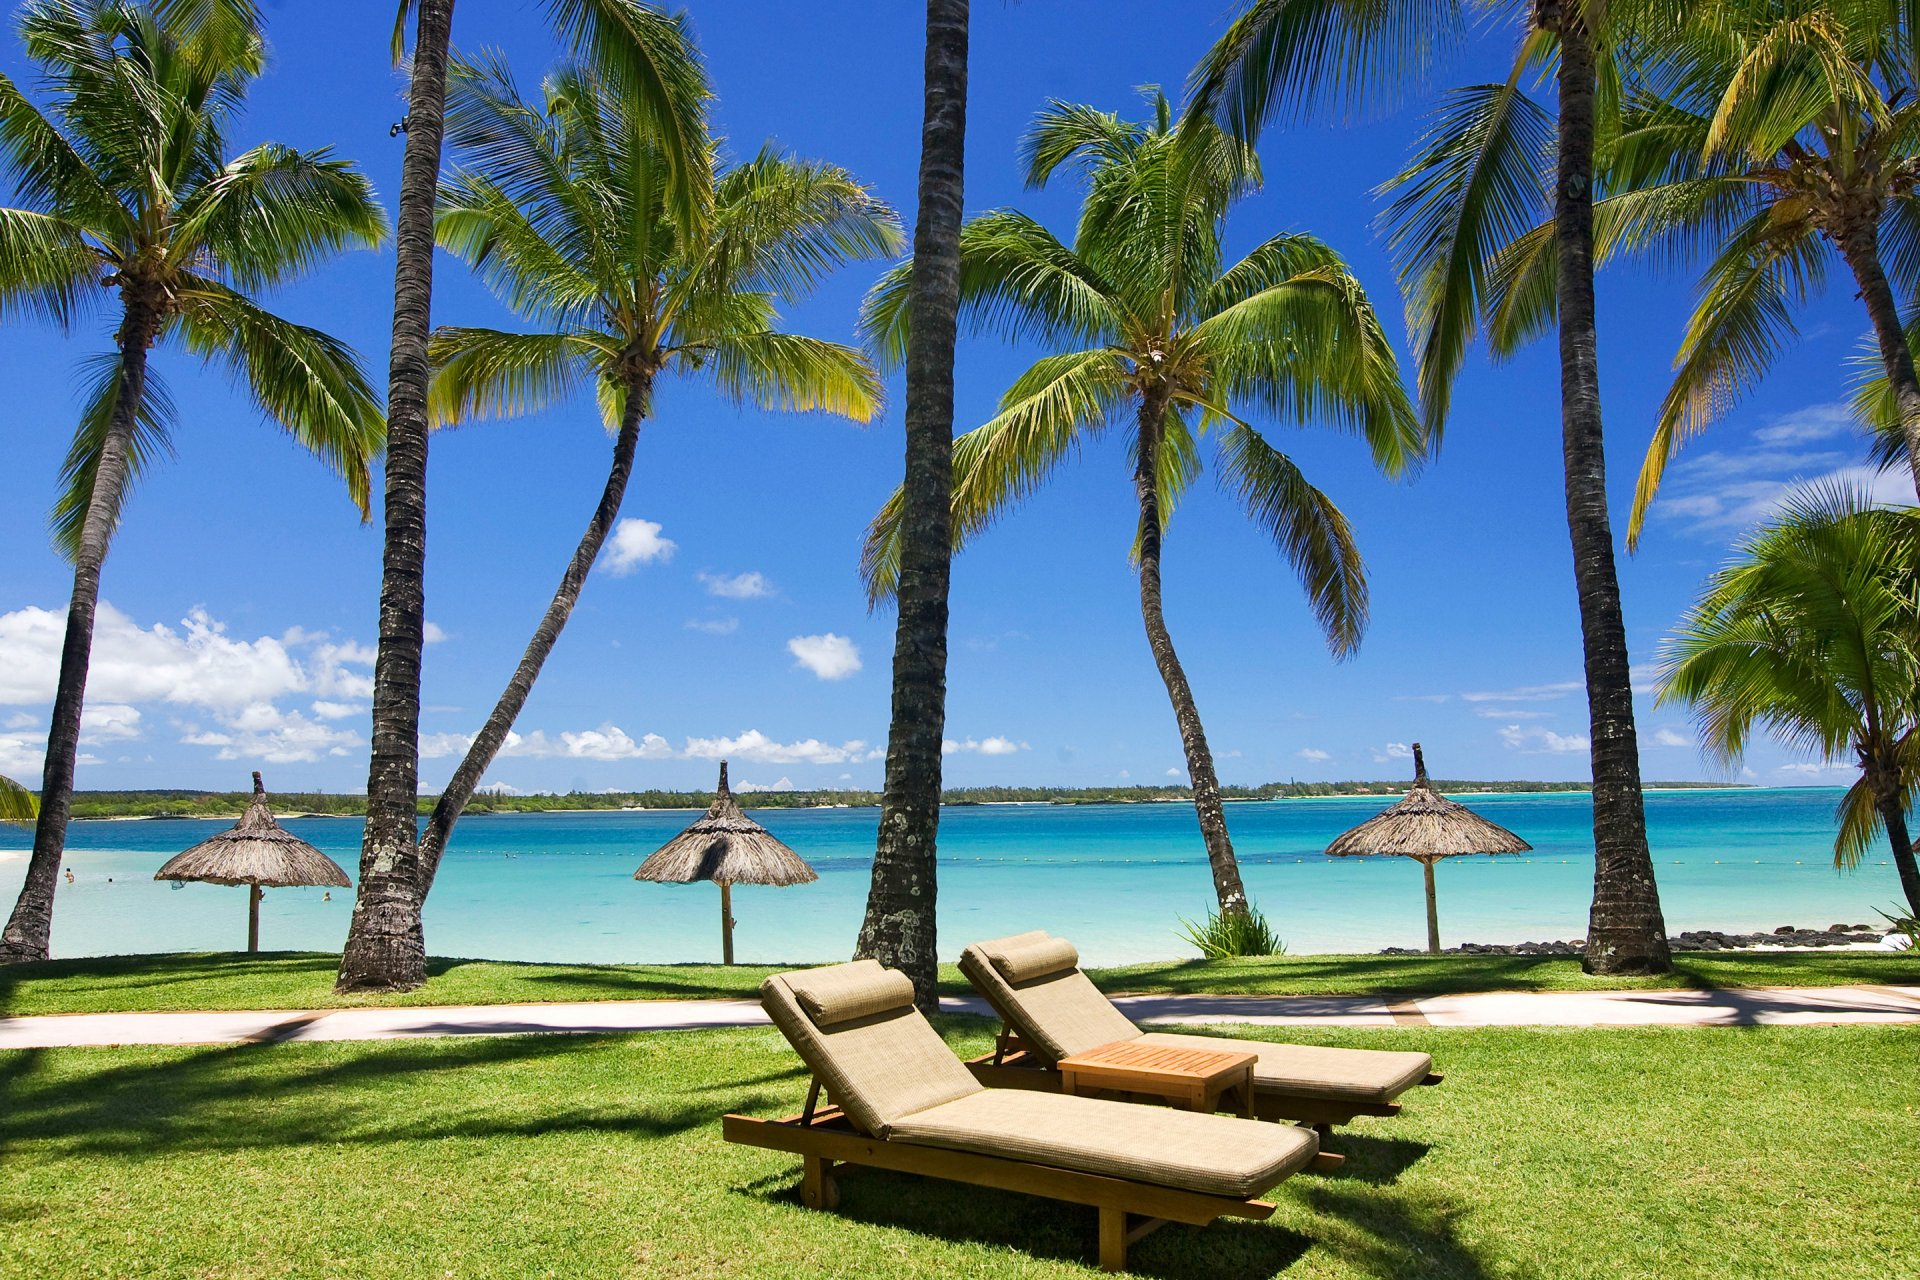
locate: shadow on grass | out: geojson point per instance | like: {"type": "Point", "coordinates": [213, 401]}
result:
{"type": "Point", "coordinates": [243, 1097]}
{"type": "Point", "coordinates": [1392, 1236]}
{"type": "Point", "coordinates": [952, 1211]}
{"type": "Point", "coordinates": [1379, 1161]}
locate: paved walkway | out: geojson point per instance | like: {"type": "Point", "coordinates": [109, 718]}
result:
{"type": "Point", "coordinates": [1792, 1006]}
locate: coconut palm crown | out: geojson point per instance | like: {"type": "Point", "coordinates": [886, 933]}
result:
{"type": "Point", "coordinates": [1151, 331]}
{"type": "Point", "coordinates": [564, 207]}
{"type": "Point", "coordinates": [1766, 139]}
{"type": "Point", "coordinates": [127, 192]}
{"type": "Point", "coordinates": [1813, 633]}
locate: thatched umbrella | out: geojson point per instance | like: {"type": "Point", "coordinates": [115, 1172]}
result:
{"type": "Point", "coordinates": [255, 851]}
{"type": "Point", "coordinates": [1426, 826]}
{"type": "Point", "coordinates": [728, 848]}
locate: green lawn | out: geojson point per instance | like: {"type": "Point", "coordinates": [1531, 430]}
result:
{"type": "Point", "coordinates": [1669, 1153]}
{"type": "Point", "coordinates": [304, 980]}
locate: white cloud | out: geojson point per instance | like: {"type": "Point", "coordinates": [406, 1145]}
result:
{"type": "Point", "coordinates": [1819, 772]}
{"type": "Point", "coordinates": [197, 666]}
{"type": "Point", "coordinates": [1124, 775]}
{"type": "Point", "coordinates": [785, 784]}
{"type": "Point", "coordinates": [1526, 693]}
{"type": "Point", "coordinates": [714, 626]}
{"type": "Point", "coordinates": [261, 731]}
{"type": "Point", "coordinates": [1668, 736]}
{"type": "Point", "coordinates": [752, 585]}
{"type": "Point", "coordinates": [994, 746]}
{"type": "Point", "coordinates": [635, 542]}
{"type": "Point", "coordinates": [432, 632]}
{"type": "Point", "coordinates": [828, 656]}
{"type": "Point", "coordinates": [1510, 713]}
{"type": "Point", "coordinates": [1399, 751]}
{"type": "Point", "coordinates": [1314, 754]}
{"type": "Point", "coordinates": [434, 746]}
{"type": "Point", "coordinates": [1535, 739]}
{"type": "Point", "coordinates": [23, 756]}
{"type": "Point", "coordinates": [108, 722]}
{"type": "Point", "coordinates": [757, 747]}
{"type": "Point", "coordinates": [337, 710]}
{"type": "Point", "coordinates": [498, 789]}
{"type": "Point", "coordinates": [608, 742]}
{"type": "Point", "coordinates": [1176, 773]}
{"type": "Point", "coordinates": [1814, 422]}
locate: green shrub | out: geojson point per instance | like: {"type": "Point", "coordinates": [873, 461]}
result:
{"type": "Point", "coordinates": [1222, 937]}
{"type": "Point", "coordinates": [1906, 926]}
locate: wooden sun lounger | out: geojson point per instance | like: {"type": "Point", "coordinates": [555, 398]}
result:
{"type": "Point", "coordinates": [900, 1100]}
{"type": "Point", "coordinates": [828, 1141]}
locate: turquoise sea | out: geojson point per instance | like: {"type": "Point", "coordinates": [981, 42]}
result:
{"type": "Point", "coordinates": [1115, 878]}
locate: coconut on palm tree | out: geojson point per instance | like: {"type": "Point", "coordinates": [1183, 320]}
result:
{"type": "Point", "coordinates": [560, 205]}
{"type": "Point", "coordinates": [1490, 166]}
{"type": "Point", "coordinates": [1153, 332]}
{"type": "Point", "coordinates": [645, 52]}
{"type": "Point", "coordinates": [131, 198]}
{"type": "Point", "coordinates": [1813, 633]}
{"type": "Point", "coordinates": [898, 927]}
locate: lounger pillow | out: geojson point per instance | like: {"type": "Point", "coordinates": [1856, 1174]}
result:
{"type": "Point", "coordinates": [1029, 957]}
{"type": "Point", "coordinates": [846, 993]}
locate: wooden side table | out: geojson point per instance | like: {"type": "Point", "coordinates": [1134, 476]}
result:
{"type": "Point", "coordinates": [1191, 1078]}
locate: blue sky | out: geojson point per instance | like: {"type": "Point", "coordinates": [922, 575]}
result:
{"type": "Point", "coordinates": [241, 592]}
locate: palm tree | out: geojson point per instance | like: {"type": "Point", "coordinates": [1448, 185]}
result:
{"type": "Point", "coordinates": [126, 183]}
{"type": "Point", "coordinates": [1814, 633]}
{"type": "Point", "coordinates": [647, 54]}
{"type": "Point", "coordinates": [1153, 330]}
{"type": "Point", "coordinates": [16, 803]}
{"type": "Point", "coordinates": [1490, 166]}
{"type": "Point", "coordinates": [563, 212]}
{"type": "Point", "coordinates": [1761, 136]}
{"type": "Point", "coordinates": [898, 927]}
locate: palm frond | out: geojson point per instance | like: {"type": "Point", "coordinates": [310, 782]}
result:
{"type": "Point", "coordinates": [17, 804]}
{"type": "Point", "coordinates": [102, 379]}
{"type": "Point", "coordinates": [1744, 317]}
{"type": "Point", "coordinates": [1307, 527]}
{"type": "Point", "coordinates": [1477, 185]}
{"type": "Point", "coordinates": [484, 373]}
{"type": "Point", "coordinates": [46, 270]}
{"type": "Point", "coordinates": [275, 213]}
{"type": "Point", "coordinates": [783, 225]}
{"type": "Point", "coordinates": [307, 382]}
{"type": "Point", "coordinates": [795, 374]}
{"type": "Point", "coordinates": [1286, 59]}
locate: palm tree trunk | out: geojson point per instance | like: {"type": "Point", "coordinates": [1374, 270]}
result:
{"type": "Point", "coordinates": [386, 950]}
{"type": "Point", "coordinates": [898, 929]}
{"type": "Point", "coordinates": [1894, 816]}
{"type": "Point", "coordinates": [30, 928]}
{"type": "Point", "coordinates": [1625, 930]}
{"type": "Point", "coordinates": [460, 788]}
{"type": "Point", "coordinates": [1859, 243]}
{"type": "Point", "coordinates": [1193, 739]}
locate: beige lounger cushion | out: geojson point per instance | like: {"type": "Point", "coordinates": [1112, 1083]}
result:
{"type": "Point", "coordinates": [1342, 1075]}
{"type": "Point", "coordinates": [878, 1068]}
{"type": "Point", "coordinates": [1216, 1155]}
{"type": "Point", "coordinates": [847, 992]}
{"type": "Point", "coordinates": [1059, 1015]}
{"type": "Point", "coordinates": [1029, 957]}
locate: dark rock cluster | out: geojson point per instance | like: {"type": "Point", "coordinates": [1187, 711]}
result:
{"type": "Point", "coordinates": [1834, 935]}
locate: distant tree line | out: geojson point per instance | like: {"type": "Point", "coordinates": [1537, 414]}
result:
{"type": "Point", "coordinates": [227, 804]}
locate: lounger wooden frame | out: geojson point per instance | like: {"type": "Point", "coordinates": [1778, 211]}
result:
{"type": "Point", "coordinates": [826, 1139]}
{"type": "Point", "coordinates": [1014, 1064]}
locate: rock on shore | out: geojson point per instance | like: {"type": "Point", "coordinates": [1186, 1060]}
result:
{"type": "Point", "coordinates": [1834, 935]}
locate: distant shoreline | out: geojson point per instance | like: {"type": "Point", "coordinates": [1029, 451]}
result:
{"type": "Point", "coordinates": [139, 806]}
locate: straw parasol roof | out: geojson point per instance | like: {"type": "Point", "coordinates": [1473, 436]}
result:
{"type": "Point", "coordinates": [255, 851]}
{"type": "Point", "coordinates": [727, 847]}
{"type": "Point", "coordinates": [1426, 826]}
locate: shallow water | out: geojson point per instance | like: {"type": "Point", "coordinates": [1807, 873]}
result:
{"type": "Point", "coordinates": [1114, 878]}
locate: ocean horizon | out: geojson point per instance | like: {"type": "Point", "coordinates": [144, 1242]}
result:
{"type": "Point", "coordinates": [1115, 878]}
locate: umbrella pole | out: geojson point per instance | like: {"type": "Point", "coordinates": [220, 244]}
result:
{"type": "Point", "coordinates": [726, 923]}
{"type": "Point", "coordinates": [253, 918]}
{"type": "Point", "coordinates": [1433, 910]}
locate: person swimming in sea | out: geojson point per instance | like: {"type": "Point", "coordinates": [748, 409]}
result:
{"type": "Point", "coordinates": [69, 875]}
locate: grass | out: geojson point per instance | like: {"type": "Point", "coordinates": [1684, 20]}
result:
{"type": "Point", "coordinates": [304, 980]}
{"type": "Point", "coordinates": [1670, 1153]}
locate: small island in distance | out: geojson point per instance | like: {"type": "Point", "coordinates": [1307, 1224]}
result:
{"type": "Point", "coordinates": [226, 804]}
